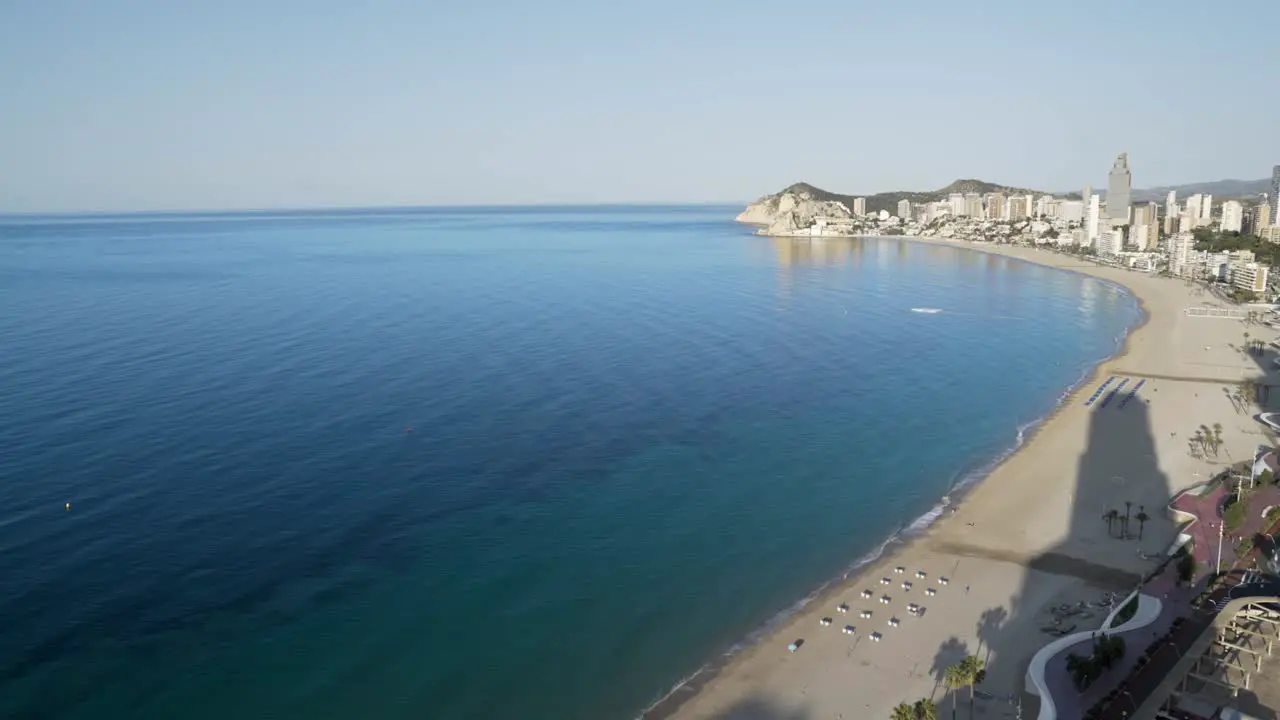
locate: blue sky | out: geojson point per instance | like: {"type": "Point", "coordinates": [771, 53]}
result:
{"type": "Point", "coordinates": [128, 105]}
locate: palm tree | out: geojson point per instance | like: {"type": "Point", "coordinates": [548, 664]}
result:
{"type": "Point", "coordinates": [1217, 438]}
{"type": "Point", "coordinates": [1142, 517]}
{"type": "Point", "coordinates": [1198, 438]}
{"type": "Point", "coordinates": [1247, 344]}
{"type": "Point", "coordinates": [955, 678]}
{"type": "Point", "coordinates": [1076, 668]}
{"type": "Point", "coordinates": [1110, 516]}
{"type": "Point", "coordinates": [1124, 528]}
{"type": "Point", "coordinates": [903, 711]}
{"type": "Point", "coordinates": [924, 709]}
{"type": "Point", "coordinates": [975, 672]}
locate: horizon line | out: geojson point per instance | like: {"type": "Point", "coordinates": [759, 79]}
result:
{"type": "Point", "coordinates": [297, 209]}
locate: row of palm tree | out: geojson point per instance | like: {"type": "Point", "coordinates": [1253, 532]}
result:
{"type": "Point", "coordinates": [1209, 440]}
{"type": "Point", "coordinates": [1252, 345]}
{"type": "Point", "coordinates": [1243, 396]}
{"type": "Point", "coordinates": [1113, 517]}
{"type": "Point", "coordinates": [922, 709]}
{"type": "Point", "coordinates": [965, 674]}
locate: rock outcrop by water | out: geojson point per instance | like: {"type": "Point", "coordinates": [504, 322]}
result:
{"type": "Point", "coordinates": [799, 210]}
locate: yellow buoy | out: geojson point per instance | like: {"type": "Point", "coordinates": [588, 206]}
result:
{"type": "Point", "coordinates": [68, 506]}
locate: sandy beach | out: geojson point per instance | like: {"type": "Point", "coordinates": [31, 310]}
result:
{"type": "Point", "coordinates": [1031, 535]}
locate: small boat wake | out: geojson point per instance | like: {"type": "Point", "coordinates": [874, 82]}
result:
{"type": "Point", "coordinates": [927, 311]}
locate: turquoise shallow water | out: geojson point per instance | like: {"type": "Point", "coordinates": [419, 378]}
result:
{"type": "Point", "coordinates": [535, 463]}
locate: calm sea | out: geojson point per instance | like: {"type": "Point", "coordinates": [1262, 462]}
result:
{"type": "Point", "coordinates": [481, 463]}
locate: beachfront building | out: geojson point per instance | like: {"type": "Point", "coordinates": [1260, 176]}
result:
{"type": "Point", "coordinates": [1018, 209]}
{"type": "Point", "coordinates": [1181, 254]}
{"type": "Point", "coordinates": [1119, 183]}
{"type": "Point", "coordinates": [995, 206]}
{"type": "Point", "coordinates": [1250, 277]}
{"type": "Point", "coordinates": [904, 209]}
{"type": "Point", "coordinates": [1092, 219]}
{"type": "Point", "coordinates": [973, 205]}
{"type": "Point", "coordinates": [956, 200]}
{"type": "Point", "coordinates": [1110, 241]}
{"type": "Point", "coordinates": [1232, 216]}
{"type": "Point", "coordinates": [859, 206]}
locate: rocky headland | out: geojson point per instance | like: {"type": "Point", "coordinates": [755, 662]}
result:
{"type": "Point", "coordinates": [803, 210]}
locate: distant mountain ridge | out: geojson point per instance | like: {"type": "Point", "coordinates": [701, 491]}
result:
{"type": "Point", "coordinates": [1225, 189]}
{"type": "Point", "coordinates": [889, 200]}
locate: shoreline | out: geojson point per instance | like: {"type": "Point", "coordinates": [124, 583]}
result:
{"type": "Point", "coordinates": [916, 533]}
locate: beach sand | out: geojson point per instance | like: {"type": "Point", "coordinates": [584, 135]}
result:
{"type": "Point", "coordinates": [1028, 537]}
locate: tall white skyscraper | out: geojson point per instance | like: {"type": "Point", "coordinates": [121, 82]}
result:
{"type": "Point", "coordinates": [1191, 210]}
{"type": "Point", "coordinates": [1232, 216]}
{"type": "Point", "coordinates": [1206, 209]}
{"type": "Point", "coordinates": [1170, 211]}
{"type": "Point", "coordinates": [859, 206]}
{"type": "Point", "coordinates": [904, 209]}
{"type": "Point", "coordinates": [957, 204]}
{"type": "Point", "coordinates": [1092, 218]}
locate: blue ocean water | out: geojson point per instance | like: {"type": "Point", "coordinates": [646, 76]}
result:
{"type": "Point", "coordinates": [475, 463]}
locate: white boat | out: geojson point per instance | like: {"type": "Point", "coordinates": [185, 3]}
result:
{"type": "Point", "coordinates": [927, 311]}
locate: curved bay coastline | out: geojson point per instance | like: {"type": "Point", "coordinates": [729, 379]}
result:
{"type": "Point", "coordinates": [729, 686]}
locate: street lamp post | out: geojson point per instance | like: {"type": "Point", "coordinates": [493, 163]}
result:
{"type": "Point", "coordinates": [1218, 568]}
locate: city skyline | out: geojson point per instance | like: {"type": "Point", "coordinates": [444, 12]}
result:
{"type": "Point", "coordinates": [202, 105]}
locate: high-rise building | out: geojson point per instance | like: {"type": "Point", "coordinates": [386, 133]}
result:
{"type": "Point", "coordinates": [1119, 182]}
{"type": "Point", "coordinates": [1092, 218]}
{"type": "Point", "coordinates": [1261, 218]}
{"type": "Point", "coordinates": [1191, 209]}
{"type": "Point", "coordinates": [1250, 276]}
{"type": "Point", "coordinates": [1180, 251]}
{"type": "Point", "coordinates": [995, 206]}
{"type": "Point", "coordinates": [1170, 212]}
{"type": "Point", "coordinates": [1144, 230]}
{"type": "Point", "coordinates": [1275, 195]}
{"type": "Point", "coordinates": [1071, 211]}
{"type": "Point", "coordinates": [1140, 236]}
{"type": "Point", "coordinates": [1206, 209]}
{"type": "Point", "coordinates": [1110, 240]}
{"type": "Point", "coordinates": [956, 201]}
{"type": "Point", "coordinates": [1044, 206]}
{"type": "Point", "coordinates": [859, 206]}
{"type": "Point", "coordinates": [1232, 216]}
{"type": "Point", "coordinates": [904, 209]}
{"type": "Point", "coordinates": [1018, 207]}
{"type": "Point", "coordinates": [973, 205]}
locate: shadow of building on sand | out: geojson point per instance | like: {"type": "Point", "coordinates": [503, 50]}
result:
{"type": "Point", "coordinates": [1117, 472]}
{"type": "Point", "coordinates": [756, 708]}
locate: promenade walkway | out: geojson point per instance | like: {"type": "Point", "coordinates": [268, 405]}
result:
{"type": "Point", "coordinates": [1206, 508]}
{"type": "Point", "coordinates": [1175, 602]}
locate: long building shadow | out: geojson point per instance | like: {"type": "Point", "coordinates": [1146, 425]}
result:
{"type": "Point", "coordinates": [755, 708]}
{"type": "Point", "coordinates": [1098, 552]}
{"type": "Point", "coordinates": [1117, 472]}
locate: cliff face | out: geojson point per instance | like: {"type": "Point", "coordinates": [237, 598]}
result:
{"type": "Point", "coordinates": [794, 211]}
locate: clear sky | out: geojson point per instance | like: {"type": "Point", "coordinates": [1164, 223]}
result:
{"type": "Point", "coordinates": [188, 104]}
